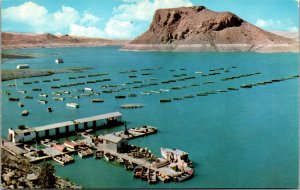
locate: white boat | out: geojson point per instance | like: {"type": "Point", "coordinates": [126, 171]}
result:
{"type": "Point", "coordinates": [43, 95]}
{"type": "Point", "coordinates": [173, 155]}
{"type": "Point", "coordinates": [58, 98]}
{"type": "Point", "coordinates": [83, 153]}
{"type": "Point", "coordinates": [25, 113]}
{"type": "Point", "coordinates": [23, 66]}
{"type": "Point", "coordinates": [108, 157]}
{"type": "Point", "coordinates": [72, 105]}
{"type": "Point", "coordinates": [151, 176]}
{"type": "Point", "coordinates": [57, 61]}
{"type": "Point", "coordinates": [43, 101]}
{"type": "Point", "coordinates": [63, 159]}
{"type": "Point", "coordinates": [164, 90]}
{"type": "Point", "coordinates": [88, 89]}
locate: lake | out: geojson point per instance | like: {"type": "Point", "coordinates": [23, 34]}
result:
{"type": "Point", "coordinates": [245, 138]}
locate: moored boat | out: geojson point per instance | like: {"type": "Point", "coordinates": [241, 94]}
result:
{"type": "Point", "coordinates": [72, 105]}
{"type": "Point", "coordinates": [165, 100]}
{"type": "Point", "coordinates": [25, 113]}
{"type": "Point", "coordinates": [58, 98]}
{"type": "Point", "coordinates": [63, 159]}
{"type": "Point", "coordinates": [120, 160]}
{"type": "Point", "coordinates": [138, 170]}
{"type": "Point", "coordinates": [128, 165]}
{"type": "Point", "coordinates": [99, 154]}
{"type": "Point", "coordinates": [151, 176]}
{"type": "Point", "coordinates": [42, 101]}
{"type": "Point", "coordinates": [20, 104]}
{"type": "Point", "coordinates": [49, 109]}
{"type": "Point", "coordinates": [83, 153]}
{"type": "Point", "coordinates": [108, 157]}
{"type": "Point", "coordinates": [97, 100]}
{"type": "Point", "coordinates": [13, 99]}
{"type": "Point", "coordinates": [162, 177]}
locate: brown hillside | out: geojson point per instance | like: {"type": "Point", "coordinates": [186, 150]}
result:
{"type": "Point", "coordinates": [204, 29]}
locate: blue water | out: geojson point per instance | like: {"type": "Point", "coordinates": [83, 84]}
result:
{"type": "Point", "coordinates": [239, 139]}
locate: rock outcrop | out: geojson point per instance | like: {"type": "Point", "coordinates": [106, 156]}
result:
{"type": "Point", "coordinates": [200, 29]}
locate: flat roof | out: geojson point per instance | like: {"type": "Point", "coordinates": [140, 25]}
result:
{"type": "Point", "coordinates": [54, 126]}
{"type": "Point", "coordinates": [22, 131]}
{"type": "Point", "coordinates": [98, 117]}
{"type": "Point", "coordinates": [112, 138]}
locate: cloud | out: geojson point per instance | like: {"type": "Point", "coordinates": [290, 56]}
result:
{"type": "Point", "coordinates": [293, 29]}
{"type": "Point", "coordinates": [119, 29]}
{"type": "Point", "coordinates": [89, 19]}
{"type": "Point", "coordinates": [130, 18]}
{"type": "Point", "coordinates": [143, 10]}
{"type": "Point", "coordinates": [123, 23]}
{"type": "Point", "coordinates": [267, 23]}
{"type": "Point", "coordinates": [64, 17]}
{"type": "Point", "coordinates": [29, 12]}
{"type": "Point", "coordinates": [90, 31]}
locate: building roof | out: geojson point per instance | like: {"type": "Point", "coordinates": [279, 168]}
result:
{"type": "Point", "coordinates": [112, 138]}
{"type": "Point", "coordinates": [54, 126]}
{"type": "Point", "coordinates": [22, 131]}
{"type": "Point", "coordinates": [60, 148]}
{"type": "Point", "coordinates": [98, 117]}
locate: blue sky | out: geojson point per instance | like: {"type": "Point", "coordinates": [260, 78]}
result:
{"type": "Point", "coordinates": [126, 19]}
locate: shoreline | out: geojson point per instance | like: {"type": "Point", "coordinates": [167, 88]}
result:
{"type": "Point", "coordinates": [259, 48]}
{"type": "Point", "coordinates": [11, 74]}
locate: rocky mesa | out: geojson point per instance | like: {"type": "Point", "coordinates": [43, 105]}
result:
{"type": "Point", "coordinates": [200, 29]}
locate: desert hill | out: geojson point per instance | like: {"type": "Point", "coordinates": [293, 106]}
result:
{"type": "Point", "coordinates": [28, 40]}
{"type": "Point", "coordinates": [200, 29]}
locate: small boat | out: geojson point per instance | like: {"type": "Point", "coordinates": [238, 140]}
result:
{"type": "Point", "coordinates": [151, 176]}
{"type": "Point", "coordinates": [55, 87]}
{"type": "Point", "coordinates": [56, 79]}
{"type": "Point", "coordinates": [59, 60]}
{"type": "Point", "coordinates": [58, 98]}
{"type": "Point", "coordinates": [43, 95]}
{"type": "Point", "coordinates": [63, 159]}
{"type": "Point", "coordinates": [178, 98]}
{"type": "Point", "coordinates": [132, 95]}
{"type": "Point", "coordinates": [49, 109]}
{"type": "Point", "coordinates": [42, 101]}
{"type": "Point", "coordinates": [25, 113]}
{"type": "Point", "coordinates": [99, 154]}
{"type": "Point", "coordinates": [184, 176]}
{"type": "Point", "coordinates": [48, 142]}
{"type": "Point", "coordinates": [145, 93]}
{"type": "Point", "coordinates": [47, 80]}
{"type": "Point", "coordinates": [72, 105]}
{"type": "Point", "coordinates": [20, 104]}
{"type": "Point", "coordinates": [202, 94]}
{"type": "Point", "coordinates": [231, 88]}
{"type": "Point", "coordinates": [88, 89]}
{"type": "Point", "coordinates": [71, 145]}
{"type": "Point", "coordinates": [108, 157]}
{"type": "Point", "coordinates": [13, 99]}
{"type": "Point", "coordinates": [22, 91]}
{"type": "Point", "coordinates": [28, 97]}
{"type": "Point", "coordinates": [36, 89]}
{"type": "Point", "coordinates": [97, 100]}
{"type": "Point", "coordinates": [162, 177]}
{"type": "Point", "coordinates": [83, 153]}
{"type": "Point", "coordinates": [27, 82]}
{"type": "Point", "coordinates": [246, 86]}
{"type": "Point", "coordinates": [165, 100]}
{"type": "Point", "coordinates": [85, 94]}
{"type": "Point", "coordinates": [138, 170]}
{"type": "Point", "coordinates": [164, 90]}
{"type": "Point", "coordinates": [75, 97]}
{"type": "Point", "coordinates": [189, 96]}
{"type": "Point", "coordinates": [29, 147]}
{"type": "Point", "coordinates": [144, 174]}
{"type": "Point", "coordinates": [222, 91]}
{"type": "Point", "coordinates": [128, 165]}
{"type": "Point", "coordinates": [23, 66]}
{"type": "Point", "coordinates": [120, 160]}
{"type": "Point", "coordinates": [120, 96]}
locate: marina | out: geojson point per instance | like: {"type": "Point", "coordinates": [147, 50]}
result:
{"type": "Point", "coordinates": [212, 118]}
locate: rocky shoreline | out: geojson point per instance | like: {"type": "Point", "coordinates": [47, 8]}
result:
{"type": "Point", "coordinates": [18, 173]}
{"type": "Point", "coordinates": [261, 48]}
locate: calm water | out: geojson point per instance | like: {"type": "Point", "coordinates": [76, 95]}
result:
{"type": "Point", "coordinates": [239, 139]}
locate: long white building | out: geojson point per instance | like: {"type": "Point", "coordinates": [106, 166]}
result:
{"type": "Point", "coordinates": [25, 134]}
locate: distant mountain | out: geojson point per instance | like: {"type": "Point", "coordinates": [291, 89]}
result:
{"type": "Point", "coordinates": [29, 40]}
{"type": "Point", "coordinates": [200, 29]}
